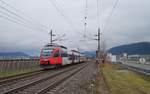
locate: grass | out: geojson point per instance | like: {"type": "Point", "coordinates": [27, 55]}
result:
{"type": "Point", "coordinates": [16, 72]}
{"type": "Point", "coordinates": [122, 81]}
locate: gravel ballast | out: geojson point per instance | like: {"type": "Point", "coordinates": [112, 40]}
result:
{"type": "Point", "coordinates": [79, 83]}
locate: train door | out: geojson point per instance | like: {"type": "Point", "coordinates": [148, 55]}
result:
{"type": "Point", "coordinates": [57, 57]}
{"type": "Point", "coordinates": [73, 57]}
{"type": "Point", "coordinates": [64, 56]}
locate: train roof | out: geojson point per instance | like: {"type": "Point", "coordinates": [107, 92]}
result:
{"type": "Point", "coordinates": [75, 51]}
{"type": "Point", "coordinates": [55, 45]}
{"type": "Point", "coordinates": [61, 46]}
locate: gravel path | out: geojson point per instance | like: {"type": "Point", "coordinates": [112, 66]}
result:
{"type": "Point", "coordinates": [79, 83]}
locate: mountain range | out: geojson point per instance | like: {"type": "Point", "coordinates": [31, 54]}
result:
{"type": "Point", "coordinates": [13, 54]}
{"type": "Point", "coordinates": [90, 53]}
{"type": "Point", "coordinates": [139, 48]}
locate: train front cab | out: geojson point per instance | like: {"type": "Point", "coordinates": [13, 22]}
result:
{"type": "Point", "coordinates": [50, 59]}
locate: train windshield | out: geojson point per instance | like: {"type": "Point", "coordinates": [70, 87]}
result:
{"type": "Point", "coordinates": [47, 52]}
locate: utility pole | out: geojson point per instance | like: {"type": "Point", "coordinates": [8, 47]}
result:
{"type": "Point", "coordinates": [51, 36]}
{"type": "Point", "coordinates": [98, 25]}
{"type": "Point", "coordinates": [56, 39]}
{"type": "Point", "coordinates": [98, 44]}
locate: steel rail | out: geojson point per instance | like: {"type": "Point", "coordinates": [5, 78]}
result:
{"type": "Point", "coordinates": [33, 83]}
{"type": "Point", "coordinates": [59, 81]}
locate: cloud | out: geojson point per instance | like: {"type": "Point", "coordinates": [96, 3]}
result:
{"type": "Point", "coordinates": [129, 23]}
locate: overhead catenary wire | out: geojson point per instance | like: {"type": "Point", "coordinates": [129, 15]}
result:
{"type": "Point", "coordinates": [10, 16]}
{"type": "Point", "coordinates": [16, 13]}
{"type": "Point", "coordinates": [111, 14]}
{"type": "Point", "coordinates": [63, 13]}
{"type": "Point", "coordinates": [16, 22]}
{"type": "Point", "coordinates": [66, 18]}
{"type": "Point", "coordinates": [7, 18]}
{"type": "Point", "coordinates": [17, 10]}
{"type": "Point", "coordinates": [11, 12]}
{"type": "Point", "coordinates": [61, 9]}
{"type": "Point", "coordinates": [59, 5]}
{"type": "Point", "coordinates": [98, 14]}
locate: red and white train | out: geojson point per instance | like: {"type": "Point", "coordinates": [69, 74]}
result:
{"type": "Point", "coordinates": [53, 55]}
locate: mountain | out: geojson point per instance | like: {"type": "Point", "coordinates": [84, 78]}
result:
{"type": "Point", "coordinates": [140, 48]}
{"type": "Point", "coordinates": [13, 54]}
{"type": "Point", "coordinates": [90, 53]}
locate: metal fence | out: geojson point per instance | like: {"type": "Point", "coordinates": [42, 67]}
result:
{"type": "Point", "coordinates": [129, 60]}
{"type": "Point", "coordinates": [7, 65]}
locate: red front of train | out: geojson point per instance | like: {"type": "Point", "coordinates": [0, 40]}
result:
{"type": "Point", "coordinates": [50, 56]}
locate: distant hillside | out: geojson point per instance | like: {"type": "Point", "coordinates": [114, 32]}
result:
{"type": "Point", "coordinates": [13, 54]}
{"type": "Point", "coordinates": [90, 53]}
{"type": "Point", "coordinates": [141, 48]}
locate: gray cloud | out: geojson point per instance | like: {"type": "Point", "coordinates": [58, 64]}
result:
{"type": "Point", "coordinates": [129, 23]}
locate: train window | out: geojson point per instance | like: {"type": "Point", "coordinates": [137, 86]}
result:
{"type": "Point", "coordinates": [64, 54]}
{"type": "Point", "coordinates": [56, 54]}
{"type": "Point", "coordinates": [47, 52]}
{"type": "Point", "coordinates": [71, 57]}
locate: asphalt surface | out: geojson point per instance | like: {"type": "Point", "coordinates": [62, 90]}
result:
{"type": "Point", "coordinates": [141, 68]}
{"type": "Point", "coordinates": [137, 65]}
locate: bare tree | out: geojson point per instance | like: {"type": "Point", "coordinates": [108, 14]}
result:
{"type": "Point", "coordinates": [103, 51]}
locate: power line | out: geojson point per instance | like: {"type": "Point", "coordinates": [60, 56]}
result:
{"type": "Point", "coordinates": [60, 8]}
{"type": "Point", "coordinates": [15, 14]}
{"type": "Point", "coordinates": [66, 16]}
{"type": "Point", "coordinates": [12, 12]}
{"type": "Point", "coordinates": [15, 19]}
{"type": "Point", "coordinates": [68, 21]}
{"type": "Point", "coordinates": [36, 22]}
{"type": "Point", "coordinates": [11, 16]}
{"type": "Point", "coordinates": [10, 19]}
{"type": "Point", "coordinates": [111, 14]}
{"type": "Point", "coordinates": [16, 22]}
{"type": "Point", "coordinates": [98, 14]}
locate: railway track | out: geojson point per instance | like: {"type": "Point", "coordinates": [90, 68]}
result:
{"type": "Point", "coordinates": [62, 78]}
{"type": "Point", "coordinates": [40, 83]}
{"type": "Point", "coordinates": [19, 75]}
{"type": "Point", "coordinates": [14, 79]}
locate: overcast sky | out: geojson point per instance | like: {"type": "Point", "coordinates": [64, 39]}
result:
{"type": "Point", "coordinates": [130, 22]}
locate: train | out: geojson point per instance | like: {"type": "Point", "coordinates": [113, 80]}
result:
{"type": "Point", "coordinates": [54, 55]}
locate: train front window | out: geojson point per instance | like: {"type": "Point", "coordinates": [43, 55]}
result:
{"type": "Point", "coordinates": [47, 52]}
